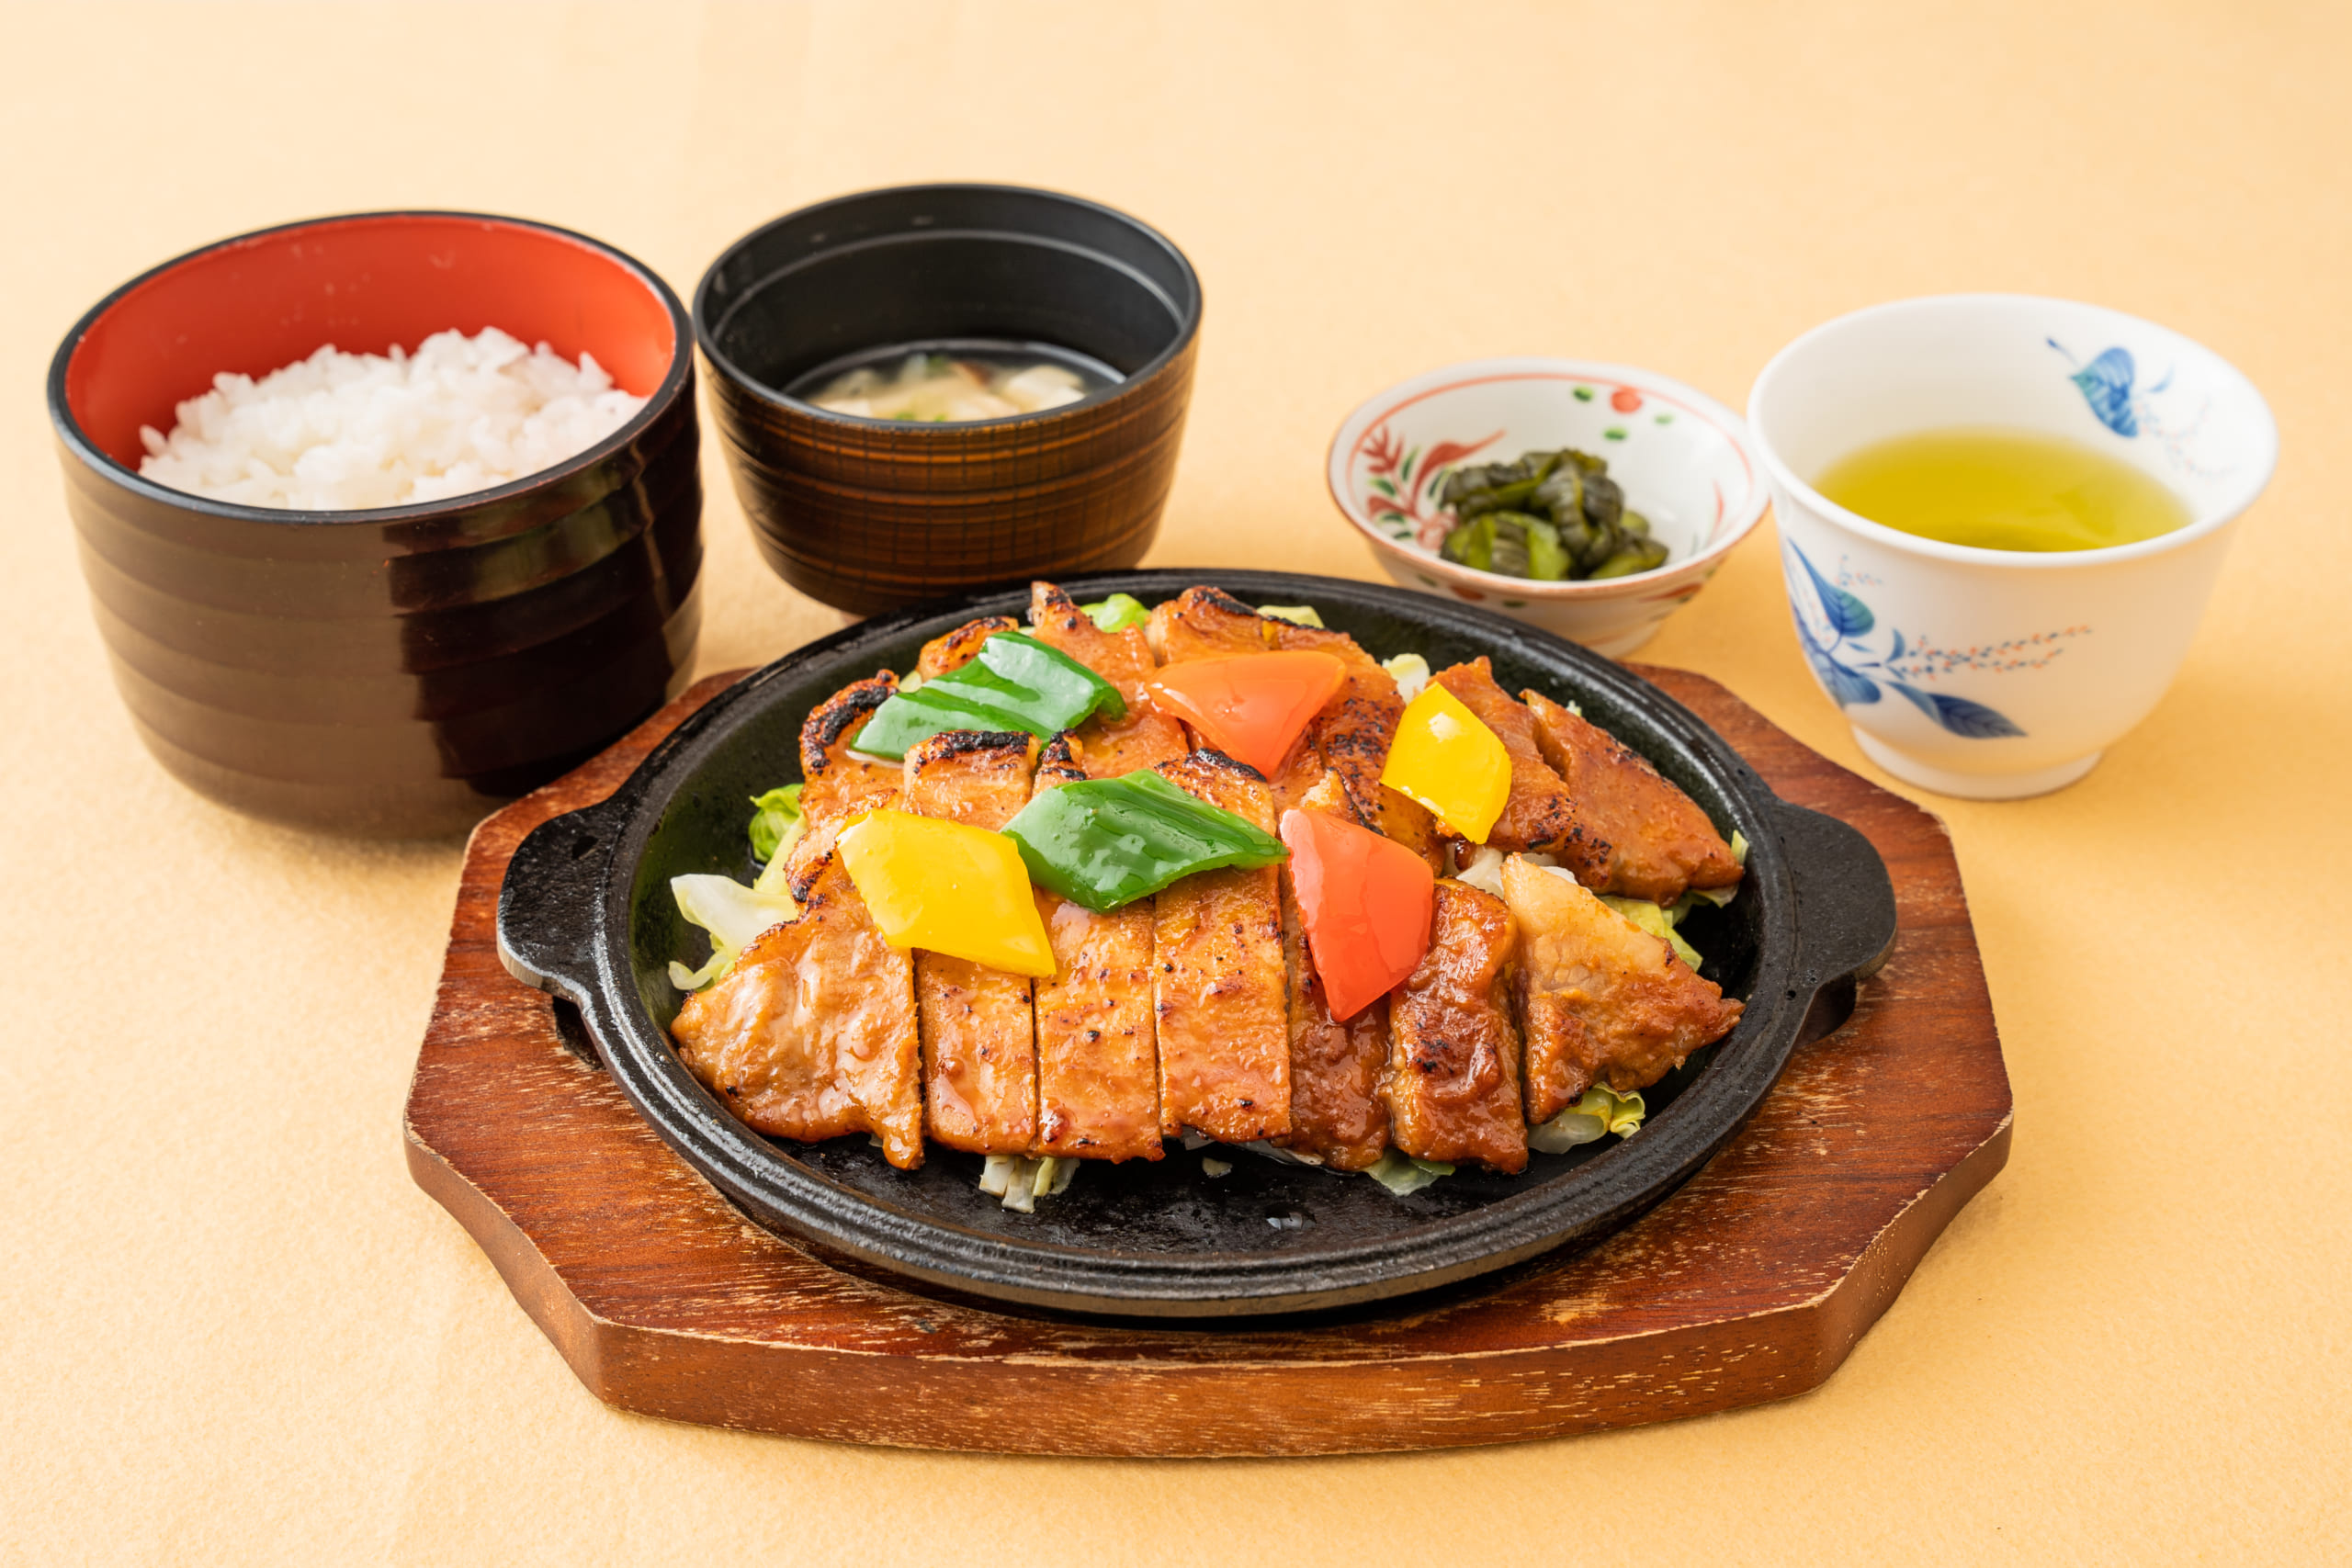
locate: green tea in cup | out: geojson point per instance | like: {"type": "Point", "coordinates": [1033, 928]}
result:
{"type": "Point", "coordinates": [2003, 490]}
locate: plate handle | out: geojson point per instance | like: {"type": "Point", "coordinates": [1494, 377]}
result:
{"type": "Point", "coordinates": [546, 906]}
{"type": "Point", "coordinates": [1845, 917]}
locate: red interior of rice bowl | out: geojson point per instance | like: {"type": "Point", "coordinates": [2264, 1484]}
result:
{"type": "Point", "coordinates": [252, 304]}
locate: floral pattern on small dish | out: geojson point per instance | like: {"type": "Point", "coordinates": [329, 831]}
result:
{"type": "Point", "coordinates": [2107, 385]}
{"type": "Point", "coordinates": [1835, 628]}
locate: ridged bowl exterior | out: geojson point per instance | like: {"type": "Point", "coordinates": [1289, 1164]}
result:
{"type": "Point", "coordinates": [403, 672]}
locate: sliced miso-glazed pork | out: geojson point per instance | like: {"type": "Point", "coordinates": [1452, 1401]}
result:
{"type": "Point", "coordinates": [837, 783]}
{"type": "Point", "coordinates": [1660, 843]}
{"type": "Point", "coordinates": [1145, 737]}
{"type": "Point", "coordinates": [811, 1035]}
{"type": "Point", "coordinates": [1539, 814]}
{"type": "Point", "coordinates": [979, 1050]}
{"type": "Point", "coordinates": [1453, 1085]}
{"type": "Point", "coordinates": [1603, 1000]}
{"type": "Point", "coordinates": [1208, 622]}
{"type": "Point", "coordinates": [1351, 736]}
{"type": "Point", "coordinates": [950, 651]}
{"type": "Point", "coordinates": [1218, 980]}
{"type": "Point", "coordinates": [1098, 1083]}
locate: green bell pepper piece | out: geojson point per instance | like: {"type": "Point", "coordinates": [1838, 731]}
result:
{"type": "Point", "coordinates": [1015, 683]}
{"type": "Point", "coordinates": [1106, 842]}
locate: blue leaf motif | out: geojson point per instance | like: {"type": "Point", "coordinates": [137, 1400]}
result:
{"type": "Point", "coordinates": [1845, 686]}
{"type": "Point", "coordinates": [1896, 651]}
{"type": "Point", "coordinates": [2105, 383]}
{"type": "Point", "coordinates": [1848, 616]}
{"type": "Point", "coordinates": [1971, 721]}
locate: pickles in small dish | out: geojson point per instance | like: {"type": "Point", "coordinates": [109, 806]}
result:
{"type": "Point", "coordinates": [1547, 517]}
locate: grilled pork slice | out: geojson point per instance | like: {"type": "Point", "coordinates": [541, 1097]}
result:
{"type": "Point", "coordinates": [1661, 844]}
{"type": "Point", "coordinates": [1218, 980]}
{"type": "Point", "coordinates": [1603, 1000]}
{"type": "Point", "coordinates": [812, 1034]}
{"type": "Point", "coordinates": [1097, 1082]}
{"type": "Point", "coordinates": [1337, 1114]}
{"type": "Point", "coordinates": [1145, 738]}
{"type": "Point", "coordinates": [1208, 622]}
{"type": "Point", "coordinates": [1453, 1058]}
{"type": "Point", "coordinates": [1351, 736]}
{"type": "Point", "coordinates": [1408, 821]}
{"type": "Point", "coordinates": [1539, 814]}
{"type": "Point", "coordinates": [951, 652]}
{"type": "Point", "coordinates": [980, 1043]}
{"type": "Point", "coordinates": [836, 784]}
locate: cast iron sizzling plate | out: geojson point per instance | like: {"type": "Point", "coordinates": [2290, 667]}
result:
{"type": "Point", "coordinates": [587, 913]}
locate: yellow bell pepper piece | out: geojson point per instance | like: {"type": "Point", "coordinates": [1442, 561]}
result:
{"type": "Point", "coordinates": [949, 887]}
{"type": "Point", "coordinates": [1444, 758]}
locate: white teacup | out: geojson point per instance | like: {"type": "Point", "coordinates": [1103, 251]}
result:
{"type": "Point", "coordinates": [1994, 674]}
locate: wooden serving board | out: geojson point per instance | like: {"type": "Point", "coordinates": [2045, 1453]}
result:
{"type": "Point", "coordinates": [1750, 1284]}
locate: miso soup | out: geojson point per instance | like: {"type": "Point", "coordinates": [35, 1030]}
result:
{"type": "Point", "coordinates": [952, 382]}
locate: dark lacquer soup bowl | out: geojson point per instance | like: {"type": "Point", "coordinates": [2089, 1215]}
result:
{"type": "Point", "coordinates": [586, 912]}
{"type": "Point", "coordinates": [873, 515]}
{"type": "Point", "coordinates": [403, 670]}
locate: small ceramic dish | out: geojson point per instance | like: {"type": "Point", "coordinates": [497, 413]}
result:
{"type": "Point", "coordinates": [870, 514]}
{"type": "Point", "coordinates": [400, 670]}
{"type": "Point", "coordinates": [1682, 457]}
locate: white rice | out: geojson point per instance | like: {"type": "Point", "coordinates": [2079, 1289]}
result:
{"type": "Point", "coordinates": [342, 432]}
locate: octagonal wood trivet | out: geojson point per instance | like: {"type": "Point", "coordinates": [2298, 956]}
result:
{"type": "Point", "coordinates": [1750, 1284]}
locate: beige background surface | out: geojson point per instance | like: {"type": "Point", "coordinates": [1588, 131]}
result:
{"type": "Point", "coordinates": [234, 1330]}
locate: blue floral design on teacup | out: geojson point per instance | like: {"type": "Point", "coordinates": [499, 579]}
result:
{"type": "Point", "coordinates": [2107, 385]}
{"type": "Point", "coordinates": [1835, 628]}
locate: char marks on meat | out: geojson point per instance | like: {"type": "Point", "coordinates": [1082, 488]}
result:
{"type": "Point", "coordinates": [950, 651]}
{"type": "Point", "coordinates": [1661, 844]}
{"type": "Point", "coordinates": [1351, 736]}
{"type": "Point", "coordinates": [1145, 737]}
{"type": "Point", "coordinates": [1603, 1000]}
{"type": "Point", "coordinates": [1218, 980]}
{"type": "Point", "coordinates": [1539, 813]}
{"type": "Point", "coordinates": [812, 1034]}
{"type": "Point", "coordinates": [979, 1053]}
{"type": "Point", "coordinates": [1097, 1082]}
{"type": "Point", "coordinates": [1453, 1088]}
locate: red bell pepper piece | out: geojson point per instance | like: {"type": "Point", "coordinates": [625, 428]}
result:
{"type": "Point", "coordinates": [1250, 707]}
{"type": "Point", "coordinates": [1366, 902]}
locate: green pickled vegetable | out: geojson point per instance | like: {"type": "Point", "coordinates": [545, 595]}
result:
{"type": "Point", "coordinates": [1117, 613]}
{"type": "Point", "coordinates": [1015, 683]}
{"type": "Point", "coordinates": [1547, 517]}
{"type": "Point", "coordinates": [1106, 842]}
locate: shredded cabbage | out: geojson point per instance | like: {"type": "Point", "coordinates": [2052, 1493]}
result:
{"type": "Point", "coordinates": [1403, 1174]}
{"type": "Point", "coordinates": [1297, 614]}
{"type": "Point", "coordinates": [1116, 614]}
{"type": "Point", "coordinates": [1739, 846]}
{"type": "Point", "coordinates": [733, 915]}
{"type": "Point", "coordinates": [1657, 922]}
{"type": "Point", "coordinates": [1410, 672]}
{"type": "Point", "coordinates": [1019, 1181]}
{"type": "Point", "coordinates": [775, 826]}
{"type": "Point", "coordinates": [1600, 1111]}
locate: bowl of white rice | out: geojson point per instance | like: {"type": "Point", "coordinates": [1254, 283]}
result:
{"type": "Point", "coordinates": [387, 518]}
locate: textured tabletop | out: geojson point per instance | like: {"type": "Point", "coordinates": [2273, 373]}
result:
{"type": "Point", "coordinates": [235, 1329]}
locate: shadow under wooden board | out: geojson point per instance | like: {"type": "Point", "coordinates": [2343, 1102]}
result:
{"type": "Point", "coordinates": [1750, 1284]}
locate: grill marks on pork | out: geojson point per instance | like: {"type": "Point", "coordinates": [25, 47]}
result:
{"type": "Point", "coordinates": [1539, 813]}
{"type": "Point", "coordinates": [1208, 622]}
{"type": "Point", "coordinates": [812, 1034]}
{"type": "Point", "coordinates": [1337, 1111]}
{"type": "Point", "coordinates": [1098, 1079]}
{"type": "Point", "coordinates": [1219, 983]}
{"type": "Point", "coordinates": [835, 784]}
{"type": "Point", "coordinates": [1351, 736]}
{"type": "Point", "coordinates": [1145, 737]}
{"type": "Point", "coordinates": [979, 1053]}
{"type": "Point", "coordinates": [950, 651]}
{"type": "Point", "coordinates": [1453, 1091]}
{"type": "Point", "coordinates": [1603, 1000]}
{"type": "Point", "coordinates": [1660, 843]}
